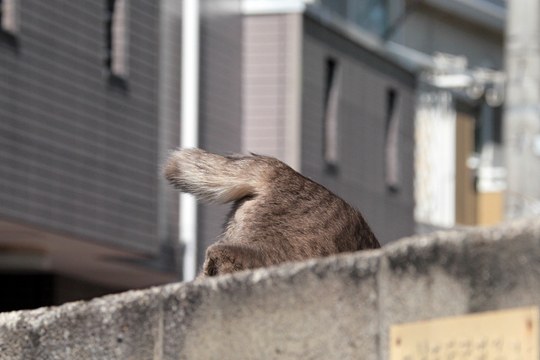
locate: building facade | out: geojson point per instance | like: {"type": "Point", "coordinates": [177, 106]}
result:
{"type": "Point", "coordinates": [359, 141]}
{"type": "Point", "coordinates": [79, 146]}
{"type": "Point", "coordinates": [322, 99]}
{"type": "Point", "coordinates": [91, 103]}
{"type": "Point", "coordinates": [457, 48]}
{"type": "Point", "coordinates": [461, 171]}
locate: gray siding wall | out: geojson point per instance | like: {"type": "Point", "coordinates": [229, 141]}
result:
{"type": "Point", "coordinates": [77, 155]}
{"type": "Point", "coordinates": [220, 98]}
{"type": "Point", "coordinates": [265, 47]}
{"type": "Point", "coordinates": [170, 68]}
{"type": "Point", "coordinates": [365, 80]}
{"type": "Point", "coordinates": [271, 85]}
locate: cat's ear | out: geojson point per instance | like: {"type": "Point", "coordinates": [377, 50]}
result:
{"type": "Point", "coordinates": [210, 267]}
{"type": "Point", "coordinates": [227, 258]}
{"type": "Point", "coordinates": [220, 259]}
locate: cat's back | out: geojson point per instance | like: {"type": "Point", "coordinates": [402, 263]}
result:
{"type": "Point", "coordinates": [299, 217]}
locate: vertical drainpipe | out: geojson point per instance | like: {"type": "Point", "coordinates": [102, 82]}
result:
{"type": "Point", "coordinates": [293, 100]}
{"type": "Point", "coordinates": [189, 128]}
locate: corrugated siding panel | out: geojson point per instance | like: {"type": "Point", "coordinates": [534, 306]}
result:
{"type": "Point", "coordinates": [77, 156]}
{"type": "Point", "coordinates": [265, 86]}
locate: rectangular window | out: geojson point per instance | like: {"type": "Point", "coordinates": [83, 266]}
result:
{"type": "Point", "coordinates": [371, 15]}
{"type": "Point", "coordinates": [116, 37]}
{"type": "Point", "coordinates": [392, 141]}
{"type": "Point", "coordinates": [331, 107]}
{"type": "Point", "coordinates": [9, 16]}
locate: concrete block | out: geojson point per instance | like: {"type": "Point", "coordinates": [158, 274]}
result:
{"type": "Point", "coordinates": [459, 272]}
{"type": "Point", "coordinates": [415, 284]}
{"type": "Point", "coordinates": [340, 307]}
{"type": "Point", "coordinates": [504, 267]}
{"type": "Point", "coordinates": [17, 340]}
{"type": "Point", "coordinates": [323, 309]}
{"type": "Point", "coordinates": [125, 326]}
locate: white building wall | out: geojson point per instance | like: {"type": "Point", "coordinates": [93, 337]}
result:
{"type": "Point", "coordinates": [435, 159]}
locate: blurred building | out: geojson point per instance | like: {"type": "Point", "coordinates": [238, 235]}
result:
{"type": "Point", "coordinates": [79, 150]}
{"type": "Point", "coordinates": [457, 50]}
{"type": "Point", "coordinates": [91, 100]}
{"type": "Point", "coordinates": [460, 170]}
{"type": "Point", "coordinates": [282, 79]}
{"type": "Point", "coordinates": [327, 98]}
{"type": "Point", "coordinates": [90, 105]}
{"type": "Point", "coordinates": [394, 105]}
{"type": "Point", "coordinates": [460, 174]}
{"type": "Point", "coordinates": [91, 97]}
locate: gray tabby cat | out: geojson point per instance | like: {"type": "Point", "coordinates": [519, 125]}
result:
{"type": "Point", "coordinates": [278, 215]}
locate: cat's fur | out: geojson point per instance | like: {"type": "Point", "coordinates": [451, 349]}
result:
{"type": "Point", "coordinates": [278, 215]}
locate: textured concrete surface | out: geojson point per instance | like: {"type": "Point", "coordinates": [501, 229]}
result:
{"type": "Point", "coordinates": [335, 308]}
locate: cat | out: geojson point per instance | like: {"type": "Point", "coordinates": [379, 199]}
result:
{"type": "Point", "coordinates": [278, 215]}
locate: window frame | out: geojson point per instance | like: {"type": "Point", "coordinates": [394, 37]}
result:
{"type": "Point", "coordinates": [117, 31]}
{"type": "Point", "coordinates": [332, 92]}
{"type": "Point", "coordinates": [391, 144]}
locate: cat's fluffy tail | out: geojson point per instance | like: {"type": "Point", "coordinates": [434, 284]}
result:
{"type": "Point", "coordinates": [214, 177]}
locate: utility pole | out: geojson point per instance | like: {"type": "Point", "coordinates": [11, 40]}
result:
{"type": "Point", "coordinates": [522, 109]}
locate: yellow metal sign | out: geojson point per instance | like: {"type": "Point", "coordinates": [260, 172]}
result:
{"type": "Point", "coordinates": [498, 335]}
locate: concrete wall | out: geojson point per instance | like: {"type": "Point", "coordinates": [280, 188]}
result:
{"type": "Point", "coordinates": [78, 154]}
{"type": "Point", "coordinates": [335, 308]}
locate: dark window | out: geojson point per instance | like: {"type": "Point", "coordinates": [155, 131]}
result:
{"type": "Point", "coordinates": [9, 22]}
{"type": "Point", "coordinates": [501, 3]}
{"type": "Point", "coordinates": [116, 38]}
{"type": "Point", "coordinates": [488, 126]}
{"type": "Point", "coordinates": [371, 15]}
{"type": "Point", "coordinates": [9, 16]}
{"type": "Point", "coordinates": [331, 107]}
{"type": "Point", "coordinates": [497, 125]}
{"type": "Point", "coordinates": [109, 11]}
{"type": "Point", "coordinates": [338, 7]}
{"type": "Point", "coordinates": [26, 291]}
{"type": "Point", "coordinates": [392, 141]}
